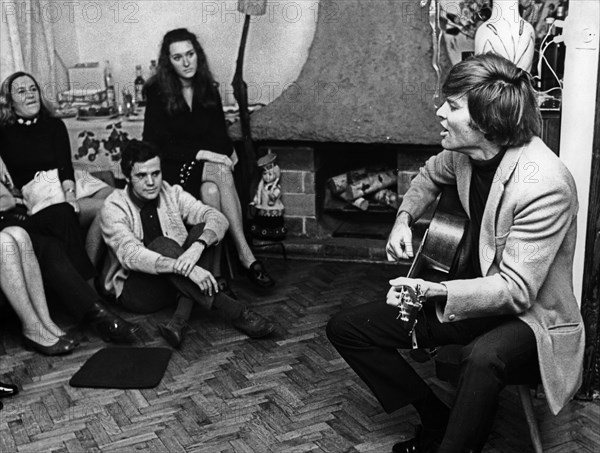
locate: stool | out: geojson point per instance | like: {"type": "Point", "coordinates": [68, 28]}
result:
{"type": "Point", "coordinates": [447, 368]}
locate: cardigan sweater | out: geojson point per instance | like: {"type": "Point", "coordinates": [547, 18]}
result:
{"type": "Point", "coordinates": [122, 231]}
{"type": "Point", "coordinates": [526, 248]}
{"type": "Point", "coordinates": [41, 146]}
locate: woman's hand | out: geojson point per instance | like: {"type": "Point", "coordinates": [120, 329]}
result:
{"type": "Point", "coordinates": [75, 205]}
{"type": "Point", "coordinates": [399, 245]}
{"type": "Point", "coordinates": [188, 259]}
{"type": "Point", "coordinates": [215, 158]}
{"type": "Point", "coordinates": [205, 281]}
{"type": "Point", "coordinates": [5, 175]}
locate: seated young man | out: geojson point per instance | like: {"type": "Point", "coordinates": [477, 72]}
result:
{"type": "Point", "coordinates": [153, 261]}
{"type": "Point", "coordinates": [513, 307]}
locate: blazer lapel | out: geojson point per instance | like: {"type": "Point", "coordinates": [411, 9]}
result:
{"type": "Point", "coordinates": [488, 222]}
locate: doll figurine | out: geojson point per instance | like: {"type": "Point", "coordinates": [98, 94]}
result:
{"type": "Point", "coordinates": [268, 221]}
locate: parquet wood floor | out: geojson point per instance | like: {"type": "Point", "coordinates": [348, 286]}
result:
{"type": "Point", "coordinates": [223, 392]}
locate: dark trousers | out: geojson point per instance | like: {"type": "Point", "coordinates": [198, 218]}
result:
{"type": "Point", "coordinates": [61, 277]}
{"type": "Point", "coordinates": [146, 293]}
{"type": "Point", "coordinates": [60, 222]}
{"type": "Point", "coordinates": [500, 350]}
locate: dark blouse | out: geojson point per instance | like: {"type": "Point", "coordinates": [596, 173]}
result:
{"type": "Point", "coordinates": [181, 136]}
{"type": "Point", "coordinates": [41, 146]}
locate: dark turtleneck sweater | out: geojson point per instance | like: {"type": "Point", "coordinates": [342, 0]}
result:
{"type": "Point", "coordinates": [41, 146]}
{"type": "Point", "coordinates": [481, 183]}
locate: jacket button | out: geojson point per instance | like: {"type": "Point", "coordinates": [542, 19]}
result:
{"type": "Point", "coordinates": [451, 317]}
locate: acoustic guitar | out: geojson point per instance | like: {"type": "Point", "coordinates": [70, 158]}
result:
{"type": "Point", "coordinates": [442, 254]}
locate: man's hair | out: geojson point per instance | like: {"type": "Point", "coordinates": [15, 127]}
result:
{"type": "Point", "coordinates": [7, 112]}
{"type": "Point", "coordinates": [137, 151]}
{"type": "Point", "coordinates": [500, 98]}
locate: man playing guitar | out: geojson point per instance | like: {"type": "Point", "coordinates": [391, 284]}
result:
{"type": "Point", "coordinates": [512, 305]}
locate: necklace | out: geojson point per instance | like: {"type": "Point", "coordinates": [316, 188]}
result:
{"type": "Point", "coordinates": [27, 122]}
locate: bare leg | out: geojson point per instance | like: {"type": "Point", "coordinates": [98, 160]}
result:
{"type": "Point", "coordinates": [209, 194]}
{"type": "Point", "coordinates": [94, 244]}
{"type": "Point", "coordinates": [13, 281]}
{"type": "Point", "coordinates": [90, 206]}
{"type": "Point", "coordinates": [33, 279]}
{"type": "Point", "coordinates": [230, 206]}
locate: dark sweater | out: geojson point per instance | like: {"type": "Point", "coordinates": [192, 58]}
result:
{"type": "Point", "coordinates": [41, 146]}
{"type": "Point", "coordinates": [481, 182]}
{"type": "Point", "coordinates": [181, 136]}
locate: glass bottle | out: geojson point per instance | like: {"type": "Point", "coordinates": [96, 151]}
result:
{"type": "Point", "coordinates": [138, 84]}
{"type": "Point", "coordinates": [109, 85]}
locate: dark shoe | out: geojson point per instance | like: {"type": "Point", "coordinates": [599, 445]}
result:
{"type": "Point", "coordinates": [259, 276]}
{"type": "Point", "coordinates": [253, 324]}
{"type": "Point", "coordinates": [59, 348]}
{"type": "Point", "coordinates": [425, 441]}
{"type": "Point", "coordinates": [108, 325]}
{"type": "Point", "coordinates": [72, 337]}
{"type": "Point", "coordinates": [173, 331]}
{"type": "Point", "coordinates": [8, 390]}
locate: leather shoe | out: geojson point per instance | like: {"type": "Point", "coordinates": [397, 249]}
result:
{"type": "Point", "coordinates": [8, 390]}
{"type": "Point", "coordinates": [61, 347]}
{"type": "Point", "coordinates": [108, 325]}
{"type": "Point", "coordinates": [425, 441]}
{"type": "Point", "coordinates": [259, 276]}
{"type": "Point", "coordinates": [253, 324]}
{"type": "Point", "coordinates": [173, 331]}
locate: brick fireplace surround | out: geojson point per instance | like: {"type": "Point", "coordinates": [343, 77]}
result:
{"type": "Point", "coordinates": [303, 185]}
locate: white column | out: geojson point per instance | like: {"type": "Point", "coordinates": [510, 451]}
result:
{"type": "Point", "coordinates": [578, 111]}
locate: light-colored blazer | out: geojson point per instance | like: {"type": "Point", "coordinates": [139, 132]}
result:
{"type": "Point", "coordinates": [526, 248]}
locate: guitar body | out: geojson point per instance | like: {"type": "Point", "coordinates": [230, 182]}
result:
{"type": "Point", "coordinates": [442, 252]}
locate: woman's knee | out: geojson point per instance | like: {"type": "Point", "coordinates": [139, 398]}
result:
{"type": "Point", "coordinates": [209, 194]}
{"type": "Point", "coordinates": [16, 234]}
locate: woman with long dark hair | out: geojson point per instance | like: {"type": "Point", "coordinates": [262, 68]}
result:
{"type": "Point", "coordinates": [184, 118]}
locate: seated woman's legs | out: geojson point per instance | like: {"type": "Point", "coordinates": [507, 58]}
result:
{"type": "Point", "coordinates": [89, 207]}
{"type": "Point", "coordinates": [230, 206]}
{"type": "Point", "coordinates": [75, 294]}
{"type": "Point", "coordinates": [21, 282]}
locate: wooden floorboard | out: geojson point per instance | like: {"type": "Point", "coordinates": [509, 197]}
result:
{"type": "Point", "coordinates": [223, 392]}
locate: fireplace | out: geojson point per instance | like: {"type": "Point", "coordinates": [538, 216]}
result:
{"type": "Point", "coordinates": [311, 210]}
{"type": "Point", "coordinates": [363, 97]}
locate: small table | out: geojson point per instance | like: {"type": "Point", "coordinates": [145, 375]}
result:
{"type": "Point", "coordinates": [96, 144]}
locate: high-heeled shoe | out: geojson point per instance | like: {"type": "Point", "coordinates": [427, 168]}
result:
{"type": "Point", "coordinates": [173, 331]}
{"type": "Point", "coordinates": [61, 347]}
{"type": "Point", "coordinates": [108, 325]}
{"type": "Point", "coordinates": [8, 390]}
{"type": "Point", "coordinates": [259, 275]}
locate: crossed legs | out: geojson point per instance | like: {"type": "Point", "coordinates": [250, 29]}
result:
{"type": "Point", "coordinates": [21, 282]}
{"type": "Point", "coordinates": [222, 195]}
{"type": "Point", "coordinates": [500, 350]}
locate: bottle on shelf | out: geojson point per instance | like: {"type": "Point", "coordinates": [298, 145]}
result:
{"type": "Point", "coordinates": [109, 85]}
{"type": "Point", "coordinates": [138, 84]}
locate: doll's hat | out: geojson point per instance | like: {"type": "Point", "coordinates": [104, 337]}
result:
{"type": "Point", "coordinates": [267, 159]}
